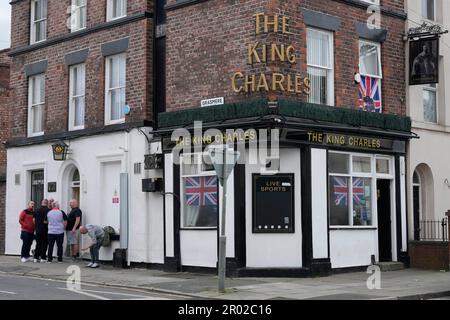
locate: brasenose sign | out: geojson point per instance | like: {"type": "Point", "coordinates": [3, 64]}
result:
{"type": "Point", "coordinates": [268, 53]}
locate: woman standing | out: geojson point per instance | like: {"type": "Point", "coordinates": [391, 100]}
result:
{"type": "Point", "coordinates": [57, 221]}
{"type": "Point", "coordinates": [26, 220]}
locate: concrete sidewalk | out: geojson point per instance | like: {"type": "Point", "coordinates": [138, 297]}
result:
{"type": "Point", "coordinates": [403, 284]}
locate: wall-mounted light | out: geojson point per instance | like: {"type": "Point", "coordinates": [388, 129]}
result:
{"type": "Point", "coordinates": [60, 151]}
{"type": "Point", "coordinates": [357, 78]}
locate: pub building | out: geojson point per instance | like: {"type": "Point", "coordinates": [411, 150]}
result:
{"type": "Point", "coordinates": [334, 89]}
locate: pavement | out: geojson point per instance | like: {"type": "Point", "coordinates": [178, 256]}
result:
{"type": "Point", "coordinates": [402, 284]}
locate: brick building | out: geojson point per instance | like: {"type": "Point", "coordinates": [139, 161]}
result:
{"type": "Point", "coordinates": [4, 100]}
{"type": "Point", "coordinates": [82, 78]}
{"type": "Point", "coordinates": [307, 69]}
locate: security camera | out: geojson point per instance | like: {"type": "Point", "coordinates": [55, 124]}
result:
{"type": "Point", "coordinates": [357, 78]}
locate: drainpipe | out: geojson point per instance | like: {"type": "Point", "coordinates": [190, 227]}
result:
{"type": "Point", "coordinates": [124, 201]}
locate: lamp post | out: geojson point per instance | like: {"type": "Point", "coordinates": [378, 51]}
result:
{"type": "Point", "coordinates": [224, 160]}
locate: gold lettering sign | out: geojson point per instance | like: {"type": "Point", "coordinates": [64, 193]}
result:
{"type": "Point", "coordinates": [262, 53]}
{"type": "Point", "coordinates": [344, 140]}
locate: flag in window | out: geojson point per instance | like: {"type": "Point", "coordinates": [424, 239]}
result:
{"type": "Point", "coordinates": [369, 94]}
{"type": "Point", "coordinates": [201, 191]}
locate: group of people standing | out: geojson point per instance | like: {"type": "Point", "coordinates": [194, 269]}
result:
{"type": "Point", "coordinates": [49, 224]}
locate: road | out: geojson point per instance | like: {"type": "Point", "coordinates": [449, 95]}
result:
{"type": "Point", "coordinates": [13, 287]}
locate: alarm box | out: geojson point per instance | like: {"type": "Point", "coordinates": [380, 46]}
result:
{"type": "Point", "coordinates": [153, 161]}
{"type": "Point", "coordinates": [152, 185]}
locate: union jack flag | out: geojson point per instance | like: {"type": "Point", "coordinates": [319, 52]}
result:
{"type": "Point", "coordinates": [369, 94]}
{"type": "Point", "coordinates": [340, 186]}
{"type": "Point", "coordinates": [201, 191]}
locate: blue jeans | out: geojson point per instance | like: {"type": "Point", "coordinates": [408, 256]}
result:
{"type": "Point", "coordinates": [59, 239]}
{"type": "Point", "coordinates": [95, 250]}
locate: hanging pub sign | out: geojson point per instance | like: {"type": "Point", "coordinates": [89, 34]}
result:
{"type": "Point", "coordinates": [60, 151]}
{"type": "Point", "coordinates": [273, 203]}
{"type": "Point", "coordinates": [424, 61]}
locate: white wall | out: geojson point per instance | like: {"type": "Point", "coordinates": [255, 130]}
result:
{"type": "Point", "coordinates": [100, 160]}
{"type": "Point", "coordinates": [275, 250]}
{"type": "Point", "coordinates": [351, 248]}
{"type": "Point", "coordinates": [319, 203]}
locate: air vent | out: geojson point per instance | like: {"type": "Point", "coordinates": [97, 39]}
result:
{"type": "Point", "coordinates": [17, 179]}
{"type": "Point", "coordinates": [137, 168]}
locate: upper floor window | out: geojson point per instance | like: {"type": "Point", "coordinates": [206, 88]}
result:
{"type": "Point", "coordinates": [116, 9]}
{"type": "Point", "coordinates": [36, 104]}
{"type": "Point", "coordinates": [428, 9]}
{"type": "Point", "coordinates": [430, 103]}
{"type": "Point", "coordinates": [370, 59]}
{"type": "Point", "coordinates": [78, 15]}
{"type": "Point", "coordinates": [38, 20]}
{"type": "Point", "coordinates": [115, 88]}
{"type": "Point", "coordinates": [377, 2]}
{"type": "Point", "coordinates": [77, 97]}
{"type": "Point", "coordinates": [320, 66]}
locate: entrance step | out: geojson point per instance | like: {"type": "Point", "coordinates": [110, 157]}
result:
{"type": "Point", "coordinates": [390, 266]}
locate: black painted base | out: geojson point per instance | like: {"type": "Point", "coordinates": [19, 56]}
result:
{"type": "Point", "coordinates": [320, 267]}
{"type": "Point", "coordinates": [405, 259]}
{"type": "Point", "coordinates": [274, 272]}
{"type": "Point", "coordinates": [171, 264]}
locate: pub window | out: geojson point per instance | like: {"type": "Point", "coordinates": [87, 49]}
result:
{"type": "Point", "coordinates": [115, 88]}
{"type": "Point", "coordinates": [36, 104]}
{"type": "Point", "coordinates": [320, 66]}
{"type": "Point", "coordinates": [37, 187]}
{"type": "Point", "coordinates": [78, 17]}
{"type": "Point", "coordinates": [428, 9]}
{"type": "Point", "coordinates": [116, 9]}
{"type": "Point", "coordinates": [350, 189]}
{"type": "Point", "coordinates": [430, 103]}
{"type": "Point", "coordinates": [77, 97]}
{"type": "Point", "coordinates": [199, 192]}
{"type": "Point", "coordinates": [38, 21]}
{"type": "Point", "coordinates": [370, 59]}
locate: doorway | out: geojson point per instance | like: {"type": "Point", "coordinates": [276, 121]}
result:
{"type": "Point", "coordinates": [384, 220]}
{"type": "Point", "coordinates": [75, 186]}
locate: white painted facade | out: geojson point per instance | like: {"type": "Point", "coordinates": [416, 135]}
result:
{"type": "Point", "coordinates": [429, 155]}
{"type": "Point", "coordinates": [100, 159]}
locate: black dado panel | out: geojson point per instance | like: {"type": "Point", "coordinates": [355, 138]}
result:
{"type": "Point", "coordinates": [377, 35]}
{"type": "Point", "coordinates": [36, 68]}
{"type": "Point", "coordinates": [115, 47]}
{"type": "Point", "coordinates": [76, 57]}
{"type": "Point", "coordinates": [321, 20]}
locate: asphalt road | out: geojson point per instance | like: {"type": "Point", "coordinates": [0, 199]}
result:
{"type": "Point", "coordinates": [14, 287]}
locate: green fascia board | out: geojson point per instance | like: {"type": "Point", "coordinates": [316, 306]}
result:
{"type": "Point", "coordinates": [295, 109]}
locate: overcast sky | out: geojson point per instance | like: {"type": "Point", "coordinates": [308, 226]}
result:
{"type": "Point", "coordinates": [5, 26]}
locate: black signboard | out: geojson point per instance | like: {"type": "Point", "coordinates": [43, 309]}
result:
{"type": "Point", "coordinates": [51, 187]}
{"type": "Point", "coordinates": [424, 61]}
{"type": "Point", "coordinates": [273, 203]}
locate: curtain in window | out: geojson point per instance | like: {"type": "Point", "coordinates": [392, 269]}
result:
{"type": "Point", "coordinates": [117, 87]}
{"type": "Point", "coordinates": [79, 94]}
{"type": "Point", "coordinates": [319, 63]}
{"type": "Point", "coordinates": [429, 105]}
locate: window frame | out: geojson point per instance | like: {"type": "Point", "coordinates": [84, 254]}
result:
{"type": "Point", "coordinates": [373, 175]}
{"type": "Point", "coordinates": [108, 90]}
{"type": "Point", "coordinates": [37, 184]}
{"type": "Point", "coordinates": [373, 2]}
{"type": "Point", "coordinates": [199, 173]}
{"type": "Point", "coordinates": [380, 65]}
{"type": "Point", "coordinates": [430, 88]}
{"type": "Point", "coordinates": [72, 97]}
{"type": "Point", "coordinates": [32, 105]}
{"type": "Point", "coordinates": [109, 10]}
{"type": "Point", "coordinates": [434, 12]}
{"type": "Point", "coordinates": [78, 17]}
{"type": "Point", "coordinates": [330, 70]}
{"type": "Point", "coordinates": [34, 22]}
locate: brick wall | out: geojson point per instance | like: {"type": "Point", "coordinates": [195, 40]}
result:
{"type": "Point", "coordinates": [429, 255]}
{"type": "Point", "coordinates": [139, 90]}
{"type": "Point", "coordinates": [4, 107]}
{"type": "Point", "coordinates": [207, 43]}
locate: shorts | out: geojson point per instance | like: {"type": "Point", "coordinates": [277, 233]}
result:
{"type": "Point", "coordinates": [73, 237]}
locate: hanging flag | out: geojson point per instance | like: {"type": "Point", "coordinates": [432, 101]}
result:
{"type": "Point", "coordinates": [369, 94]}
{"type": "Point", "coordinates": [201, 191]}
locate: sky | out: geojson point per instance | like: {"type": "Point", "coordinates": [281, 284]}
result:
{"type": "Point", "coordinates": [5, 24]}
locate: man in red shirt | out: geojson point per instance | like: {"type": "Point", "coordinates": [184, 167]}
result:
{"type": "Point", "coordinates": [26, 220]}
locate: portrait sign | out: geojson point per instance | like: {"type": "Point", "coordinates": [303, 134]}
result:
{"type": "Point", "coordinates": [424, 61]}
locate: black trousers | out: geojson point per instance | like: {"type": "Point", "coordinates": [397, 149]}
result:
{"type": "Point", "coordinates": [40, 252]}
{"type": "Point", "coordinates": [27, 241]}
{"type": "Point", "coordinates": [59, 239]}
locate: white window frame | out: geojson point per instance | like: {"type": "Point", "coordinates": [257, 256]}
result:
{"type": "Point", "coordinates": [199, 173]}
{"type": "Point", "coordinates": [330, 70]}
{"type": "Point", "coordinates": [375, 2]}
{"type": "Point", "coordinates": [109, 10]}
{"type": "Point", "coordinates": [76, 21]}
{"type": "Point", "coordinates": [31, 105]}
{"type": "Point", "coordinates": [72, 97]}
{"type": "Point", "coordinates": [108, 90]}
{"type": "Point", "coordinates": [34, 22]}
{"type": "Point", "coordinates": [373, 175]}
{"type": "Point", "coordinates": [429, 88]}
{"type": "Point", "coordinates": [378, 45]}
{"type": "Point", "coordinates": [434, 12]}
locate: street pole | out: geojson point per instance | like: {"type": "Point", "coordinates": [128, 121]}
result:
{"type": "Point", "coordinates": [222, 237]}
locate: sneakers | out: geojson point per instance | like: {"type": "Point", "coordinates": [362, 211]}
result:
{"type": "Point", "coordinates": [48, 261]}
{"type": "Point", "coordinates": [36, 260]}
{"type": "Point", "coordinates": [94, 265]}
{"type": "Point", "coordinates": [89, 265]}
{"type": "Point", "coordinates": [24, 260]}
